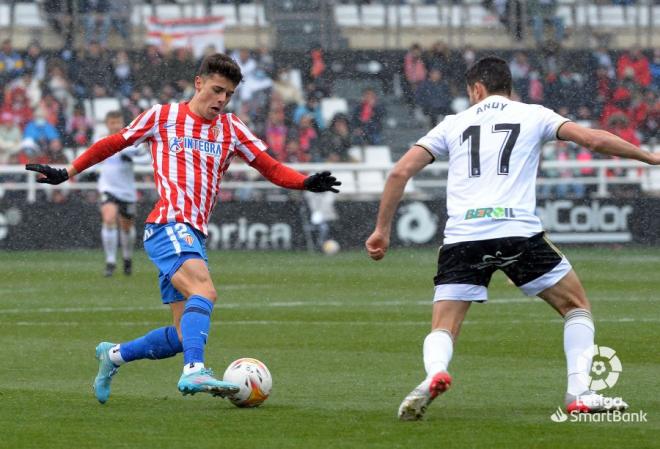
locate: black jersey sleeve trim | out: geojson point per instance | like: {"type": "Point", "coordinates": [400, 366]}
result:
{"type": "Point", "coordinates": [428, 151]}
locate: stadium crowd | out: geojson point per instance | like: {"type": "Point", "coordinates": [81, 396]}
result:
{"type": "Point", "coordinates": [44, 94]}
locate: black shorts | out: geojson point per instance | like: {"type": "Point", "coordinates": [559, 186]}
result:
{"type": "Point", "coordinates": [524, 260]}
{"type": "Point", "coordinates": [126, 209]}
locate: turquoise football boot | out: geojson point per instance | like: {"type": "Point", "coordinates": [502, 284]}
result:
{"type": "Point", "coordinates": [204, 382]}
{"type": "Point", "coordinates": [107, 369]}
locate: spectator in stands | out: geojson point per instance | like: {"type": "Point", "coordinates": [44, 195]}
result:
{"type": "Point", "coordinates": [11, 63]}
{"type": "Point", "coordinates": [414, 70]}
{"type": "Point", "coordinates": [619, 104]}
{"type": "Point", "coordinates": [148, 68]}
{"type": "Point", "coordinates": [654, 68]}
{"type": "Point", "coordinates": [35, 61]}
{"type": "Point", "coordinates": [601, 58]}
{"type": "Point", "coordinates": [311, 107]}
{"type": "Point", "coordinates": [120, 18]}
{"type": "Point", "coordinates": [58, 83]}
{"type": "Point", "coordinates": [367, 119]}
{"type": "Point", "coordinates": [179, 64]}
{"type": "Point", "coordinates": [95, 69]}
{"type": "Point", "coordinates": [319, 76]}
{"type": "Point", "coordinates": [633, 64]}
{"type": "Point", "coordinates": [59, 14]}
{"type": "Point", "coordinates": [603, 88]}
{"type": "Point", "coordinates": [276, 135]}
{"type": "Point", "coordinates": [79, 129]}
{"type": "Point", "coordinates": [335, 141]}
{"type": "Point", "coordinates": [287, 91]}
{"type": "Point", "coordinates": [266, 62]}
{"type": "Point", "coordinates": [46, 137]}
{"type": "Point", "coordinates": [10, 138]}
{"type": "Point", "coordinates": [123, 74]}
{"type": "Point", "coordinates": [520, 70]}
{"type": "Point", "coordinates": [542, 13]}
{"type": "Point", "coordinates": [96, 18]}
{"type": "Point", "coordinates": [16, 103]}
{"type": "Point", "coordinates": [306, 138]}
{"type": "Point", "coordinates": [434, 97]}
{"type": "Point", "coordinates": [647, 117]}
{"type": "Point", "coordinates": [28, 84]}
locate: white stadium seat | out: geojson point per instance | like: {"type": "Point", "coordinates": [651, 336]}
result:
{"type": "Point", "coordinates": [347, 15]}
{"type": "Point", "coordinates": [251, 15]}
{"type": "Point", "coordinates": [427, 16]}
{"type": "Point", "coordinates": [373, 15]}
{"type": "Point", "coordinates": [28, 15]}
{"type": "Point", "coordinates": [168, 12]}
{"type": "Point", "coordinates": [331, 106]}
{"type": "Point", "coordinates": [377, 154]}
{"type": "Point", "coordinates": [4, 16]}
{"type": "Point", "coordinates": [101, 106]}
{"type": "Point", "coordinates": [566, 14]}
{"type": "Point", "coordinates": [406, 17]}
{"type": "Point", "coordinates": [355, 153]}
{"type": "Point", "coordinates": [226, 11]}
{"type": "Point", "coordinates": [141, 13]}
{"type": "Point", "coordinates": [612, 16]}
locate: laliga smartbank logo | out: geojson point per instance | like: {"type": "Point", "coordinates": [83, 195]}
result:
{"type": "Point", "coordinates": [604, 370]}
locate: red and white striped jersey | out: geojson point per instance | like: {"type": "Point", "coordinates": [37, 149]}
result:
{"type": "Point", "coordinates": [190, 155]}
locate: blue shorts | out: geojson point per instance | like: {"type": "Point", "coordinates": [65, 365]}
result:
{"type": "Point", "coordinates": [168, 246]}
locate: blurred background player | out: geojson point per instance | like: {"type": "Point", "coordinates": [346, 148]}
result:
{"type": "Point", "coordinates": [494, 151]}
{"type": "Point", "coordinates": [192, 144]}
{"type": "Point", "coordinates": [118, 199]}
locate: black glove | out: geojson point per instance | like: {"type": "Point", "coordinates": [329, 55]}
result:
{"type": "Point", "coordinates": [321, 182]}
{"type": "Point", "coordinates": [51, 175]}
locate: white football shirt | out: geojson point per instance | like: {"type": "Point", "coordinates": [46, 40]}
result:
{"type": "Point", "coordinates": [494, 149]}
{"type": "Point", "coordinates": [116, 175]}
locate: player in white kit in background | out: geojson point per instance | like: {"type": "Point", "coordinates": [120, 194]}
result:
{"type": "Point", "coordinates": [116, 185]}
{"type": "Point", "coordinates": [494, 149]}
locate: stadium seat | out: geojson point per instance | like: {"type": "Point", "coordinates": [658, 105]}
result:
{"type": "Point", "coordinates": [226, 11]}
{"type": "Point", "coordinates": [377, 155]}
{"type": "Point", "coordinates": [251, 15]}
{"type": "Point", "coordinates": [101, 106]}
{"type": "Point", "coordinates": [370, 181]}
{"type": "Point", "coordinates": [331, 106]}
{"type": "Point", "coordinates": [168, 11]}
{"type": "Point", "coordinates": [565, 12]}
{"type": "Point", "coordinates": [28, 15]}
{"type": "Point", "coordinates": [406, 17]}
{"type": "Point", "coordinates": [347, 15]}
{"type": "Point", "coordinates": [373, 15]}
{"type": "Point", "coordinates": [141, 13]}
{"type": "Point", "coordinates": [427, 16]}
{"type": "Point", "coordinates": [347, 179]}
{"type": "Point", "coordinates": [4, 15]}
{"type": "Point", "coordinates": [612, 16]}
{"type": "Point", "coordinates": [355, 153]}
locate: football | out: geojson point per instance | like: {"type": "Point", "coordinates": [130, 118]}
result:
{"type": "Point", "coordinates": [254, 379]}
{"type": "Point", "coordinates": [330, 247]}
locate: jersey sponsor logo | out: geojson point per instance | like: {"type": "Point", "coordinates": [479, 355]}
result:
{"type": "Point", "coordinates": [498, 260]}
{"type": "Point", "coordinates": [177, 144]}
{"type": "Point", "coordinates": [489, 212]}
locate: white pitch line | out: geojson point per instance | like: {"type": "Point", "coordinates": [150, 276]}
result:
{"type": "Point", "coordinates": [553, 321]}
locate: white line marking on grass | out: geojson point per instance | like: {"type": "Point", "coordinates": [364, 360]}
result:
{"type": "Point", "coordinates": [150, 324]}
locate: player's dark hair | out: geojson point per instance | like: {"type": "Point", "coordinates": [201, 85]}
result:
{"type": "Point", "coordinates": [222, 65]}
{"type": "Point", "coordinates": [114, 114]}
{"type": "Point", "coordinates": [492, 72]}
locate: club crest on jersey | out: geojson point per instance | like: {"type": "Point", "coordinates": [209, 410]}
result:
{"type": "Point", "coordinates": [175, 144]}
{"type": "Point", "coordinates": [214, 132]}
{"type": "Point", "coordinates": [188, 238]}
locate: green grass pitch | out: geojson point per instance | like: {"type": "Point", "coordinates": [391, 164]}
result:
{"type": "Point", "coordinates": [342, 336]}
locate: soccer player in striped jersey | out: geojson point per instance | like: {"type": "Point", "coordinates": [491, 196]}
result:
{"type": "Point", "coordinates": [118, 199]}
{"type": "Point", "coordinates": [494, 150]}
{"type": "Point", "coordinates": [191, 144]}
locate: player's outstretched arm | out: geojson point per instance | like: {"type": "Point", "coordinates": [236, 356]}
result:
{"type": "Point", "coordinates": [408, 166]}
{"type": "Point", "coordinates": [605, 142]}
{"type": "Point", "coordinates": [283, 176]}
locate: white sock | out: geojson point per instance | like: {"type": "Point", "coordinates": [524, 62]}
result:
{"type": "Point", "coordinates": [438, 349]}
{"type": "Point", "coordinates": [115, 356]}
{"type": "Point", "coordinates": [578, 341]}
{"type": "Point", "coordinates": [127, 241]}
{"type": "Point", "coordinates": [192, 368]}
{"type": "Point", "coordinates": [109, 238]}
